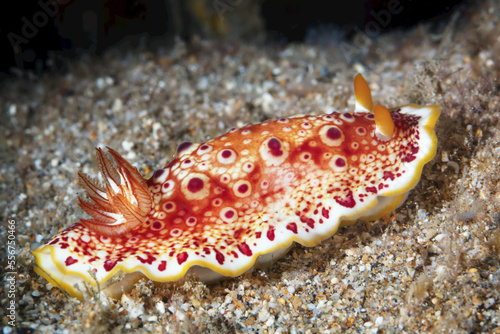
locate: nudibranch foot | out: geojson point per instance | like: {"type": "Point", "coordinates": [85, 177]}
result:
{"type": "Point", "coordinates": [241, 200]}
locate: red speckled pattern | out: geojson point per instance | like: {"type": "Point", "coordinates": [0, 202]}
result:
{"type": "Point", "coordinates": [211, 195]}
{"type": "Point", "coordinates": [252, 191]}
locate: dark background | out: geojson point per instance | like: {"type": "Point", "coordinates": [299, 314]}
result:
{"type": "Point", "coordinates": [37, 36]}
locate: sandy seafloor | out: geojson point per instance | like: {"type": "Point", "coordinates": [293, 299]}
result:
{"type": "Point", "coordinates": [431, 266]}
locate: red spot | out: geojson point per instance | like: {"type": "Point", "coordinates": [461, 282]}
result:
{"type": "Point", "coordinates": [277, 153]}
{"type": "Point", "coordinates": [156, 225]}
{"type": "Point", "coordinates": [325, 213]}
{"type": "Point", "coordinates": [333, 133]}
{"type": "Point", "coordinates": [195, 184]}
{"type": "Point", "coordinates": [274, 144]}
{"type": "Point", "coordinates": [270, 233]}
{"type": "Point", "coordinates": [226, 154]}
{"type": "Point", "coordinates": [234, 254]}
{"type": "Point", "coordinates": [243, 188]}
{"type": "Point", "coordinates": [411, 156]}
{"type": "Point", "coordinates": [347, 115]}
{"type": "Point", "coordinates": [55, 241]}
{"type": "Point", "coordinates": [245, 249]}
{"type": "Point", "coordinates": [388, 175]}
{"type": "Point", "coordinates": [348, 201]}
{"type": "Point", "coordinates": [149, 260]}
{"type": "Point", "coordinates": [258, 235]}
{"type": "Point", "coordinates": [238, 233]}
{"type": "Point", "coordinates": [64, 245]}
{"type": "Point", "coordinates": [69, 261]}
{"type": "Point", "coordinates": [158, 173]}
{"type": "Point", "coordinates": [340, 162]}
{"type": "Point", "coordinates": [109, 264]}
{"type": "Point", "coordinates": [183, 146]}
{"type": "Point", "coordinates": [182, 257]}
{"type": "Point", "coordinates": [275, 147]}
{"type": "Point", "coordinates": [380, 186]}
{"type": "Point", "coordinates": [169, 206]}
{"type": "Point", "coordinates": [371, 190]}
{"type": "Point", "coordinates": [308, 221]}
{"type": "Point", "coordinates": [292, 227]}
{"type": "Point", "coordinates": [408, 158]}
{"type": "Point", "coordinates": [229, 214]}
{"type": "Point", "coordinates": [206, 250]}
{"type": "Point", "coordinates": [162, 266]}
{"type": "Point", "coordinates": [204, 147]}
{"type": "Point", "coordinates": [219, 256]}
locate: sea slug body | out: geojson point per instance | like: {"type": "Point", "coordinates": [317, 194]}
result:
{"type": "Point", "coordinates": [240, 200]}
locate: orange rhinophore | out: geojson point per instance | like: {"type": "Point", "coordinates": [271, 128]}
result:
{"type": "Point", "coordinates": [383, 121]}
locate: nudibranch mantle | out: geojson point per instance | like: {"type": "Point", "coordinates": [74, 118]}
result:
{"type": "Point", "coordinates": [239, 200]}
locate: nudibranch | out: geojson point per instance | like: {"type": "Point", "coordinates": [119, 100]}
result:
{"type": "Point", "coordinates": [241, 200]}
